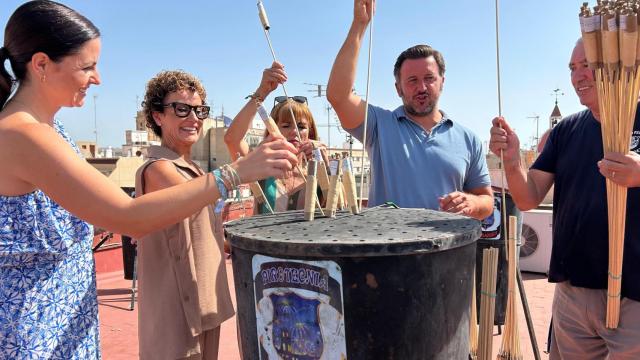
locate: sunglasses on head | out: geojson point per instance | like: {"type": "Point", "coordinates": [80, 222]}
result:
{"type": "Point", "coordinates": [183, 110]}
{"type": "Point", "coordinates": [299, 99]}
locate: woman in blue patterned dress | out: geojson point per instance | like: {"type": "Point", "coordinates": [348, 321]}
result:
{"type": "Point", "coordinates": [49, 195]}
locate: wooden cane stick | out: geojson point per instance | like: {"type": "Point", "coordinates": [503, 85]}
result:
{"type": "Point", "coordinates": [350, 186]}
{"type": "Point", "coordinates": [487, 302]}
{"type": "Point", "coordinates": [334, 188]}
{"type": "Point", "coordinates": [310, 191]}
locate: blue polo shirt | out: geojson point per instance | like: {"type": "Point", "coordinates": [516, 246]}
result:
{"type": "Point", "coordinates": [413, 167]}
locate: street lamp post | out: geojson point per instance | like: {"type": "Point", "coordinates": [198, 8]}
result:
{"type": "Point", "coordinates": [95, 124]}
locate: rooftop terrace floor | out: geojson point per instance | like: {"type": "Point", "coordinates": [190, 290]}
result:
{"type": "Point", "coordinates": [119, 325]}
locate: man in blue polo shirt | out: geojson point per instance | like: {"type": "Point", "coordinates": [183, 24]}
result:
{"type": "Point", "coordinates": [419, 156]}
{"type": "Point", "coordinates": [573, 160]}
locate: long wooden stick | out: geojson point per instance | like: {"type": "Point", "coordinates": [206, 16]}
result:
{"type": "Point", "coordinates": [349, 183]}
{"type": "Point", "coordinates": [487, 302]}
{"type": "Point", "coordinates": [503, 205]}
{"type": "Point", "coordinates": [510, 348]}
{"type": "Point", "coordinates": [322, 175]}
{"type": "Point", "coordinates": [334, 187]}
{"type": "Point", "coordinates": [259, 196]}
{"type": "Point", "coordinates": [310, 196]}
{"type": "Point", "coordinates": [262, 14]}
{"type": "Point", "coordinates": [473, 323]}
{"type": "Point", "coordinates": [366, 114]}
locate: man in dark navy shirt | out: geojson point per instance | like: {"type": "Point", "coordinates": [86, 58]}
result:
{"type": "Point", "coordinates": [573, 160]}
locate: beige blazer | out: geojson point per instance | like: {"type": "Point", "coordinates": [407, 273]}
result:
{"type": "Point", "coordinates": [183, 288]}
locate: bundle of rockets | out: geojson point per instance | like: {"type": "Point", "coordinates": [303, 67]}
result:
{"type": "Point", "coordinates": [610, 35]}
{"type": "Point", "coordinates": [612, 48]}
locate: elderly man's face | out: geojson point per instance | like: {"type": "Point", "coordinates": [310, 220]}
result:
{"type": "Point", "coordinates": [582, 78]}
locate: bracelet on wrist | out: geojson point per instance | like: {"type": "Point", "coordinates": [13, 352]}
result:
{"type": "Point", "coordinates": [220, 183]}
{"type": "Point", "coordinates": [230, 176]}
{"type": "Point", "coordinates": [234, 174]}
{"type": "Point", "coordinates": [255, 97]}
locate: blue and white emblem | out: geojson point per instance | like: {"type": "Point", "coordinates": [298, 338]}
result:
{"type": "Point", "coordinates": [635, 140]}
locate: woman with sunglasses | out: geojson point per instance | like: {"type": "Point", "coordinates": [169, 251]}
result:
{"type": "Point", "coordinates": [284, 193]}
{"type": "Point", "coordinates": [183, 292]}
{"type": "Point", "coordinates": [49, 195]}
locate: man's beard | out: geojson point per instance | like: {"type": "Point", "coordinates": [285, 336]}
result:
{"type": "Point", "coordinates": [411, 110]}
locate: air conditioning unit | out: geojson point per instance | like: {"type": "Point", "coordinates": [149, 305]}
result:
{"type": "Point", "coordinates": [535, 252]}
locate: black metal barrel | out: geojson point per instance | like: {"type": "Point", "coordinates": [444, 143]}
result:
{"type": "Point", "coordinates": [386, 284]}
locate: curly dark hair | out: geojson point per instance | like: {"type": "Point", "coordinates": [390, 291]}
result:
{"type": "Point", "coordinates": [163, 84]}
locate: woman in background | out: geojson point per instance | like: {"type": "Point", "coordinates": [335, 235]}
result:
{"type": "Point", "coordinates": [283, 193]}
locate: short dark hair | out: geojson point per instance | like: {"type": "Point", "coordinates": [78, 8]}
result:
{"type": "Point", "coordinates": [40, 26]}
{"type": "Point", "coordinates": [163, 84]}
{"type": "Point", "coordinates": [419, 52]}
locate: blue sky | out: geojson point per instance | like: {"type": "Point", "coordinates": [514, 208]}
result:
{"type": "Point", "coordinates": [222, 43]}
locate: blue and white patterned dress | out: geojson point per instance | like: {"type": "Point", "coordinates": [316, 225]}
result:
{"type": "Point", "coordinates": [48, 303]}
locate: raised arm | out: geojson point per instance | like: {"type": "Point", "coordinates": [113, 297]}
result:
{"type": "Point", "coordinates": [234, 137]}
{"type": "Point", "coordinates": [528, 188]}
{"type": "Point", "coordinates": [348, 106]}
{"type": "Point", "coordinates": [36, 154]}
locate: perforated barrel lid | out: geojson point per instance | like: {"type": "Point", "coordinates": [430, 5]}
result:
{"type": "Point", "coordinates": [375, 232]}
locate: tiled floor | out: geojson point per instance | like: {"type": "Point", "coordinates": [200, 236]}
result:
{"type": "Point", "coordinates": [118, 325]}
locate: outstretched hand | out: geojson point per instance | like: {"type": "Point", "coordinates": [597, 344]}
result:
{"type": "Point", "coordinates": [274, 157]}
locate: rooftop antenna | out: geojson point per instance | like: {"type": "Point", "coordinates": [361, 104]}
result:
{"type": "Point", "coordinates": [321, 90]}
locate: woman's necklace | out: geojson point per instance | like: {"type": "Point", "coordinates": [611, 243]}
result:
{"type": "Point", "coordinates": [290, 184]}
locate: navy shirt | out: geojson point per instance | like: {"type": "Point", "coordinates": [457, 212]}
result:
{"type": "Point", "coordinates": [413, 167]}
{"type": "Point", "coordinates": [580, 229]}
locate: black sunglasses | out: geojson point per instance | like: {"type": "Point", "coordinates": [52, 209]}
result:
{"type": "Point", "coordinates": [299, 99]}
{"type": "Point", "coordinates": [183, 110]}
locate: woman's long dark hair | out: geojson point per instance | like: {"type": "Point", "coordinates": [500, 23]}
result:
{"type": "Point", "coordinates": [40, 26]}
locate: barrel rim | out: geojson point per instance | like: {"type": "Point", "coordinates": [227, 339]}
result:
{"type": "Point", "coordinates": [465, 231]}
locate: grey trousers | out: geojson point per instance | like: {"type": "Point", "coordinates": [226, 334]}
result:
{"type": "Point", "coordinates": [579, 330]}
